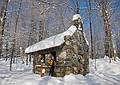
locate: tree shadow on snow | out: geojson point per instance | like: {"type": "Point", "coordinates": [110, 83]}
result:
{"type": "Point", "coordinates": [92, 80]}
{"type": "Point", "coordinates": [47, 80]}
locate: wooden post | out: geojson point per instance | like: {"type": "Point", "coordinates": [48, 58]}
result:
{"type": "Point", "coordinates": [34, 62]}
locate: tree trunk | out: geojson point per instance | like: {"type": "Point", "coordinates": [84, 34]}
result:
{"type": "Point", "coordinates": [14, 37]}
{"type": "Point", "coordinates": [2, 22]}
{"type": "Point", "coordinates": [91, 33]}
{"type": "Point", "coordinates": [109, 50]}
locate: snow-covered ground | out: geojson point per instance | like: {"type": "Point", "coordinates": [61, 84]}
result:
{"type": "Point", "coordinates": [105, 74]}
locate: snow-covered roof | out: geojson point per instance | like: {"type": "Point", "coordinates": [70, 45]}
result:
{"type": "Point", "coordinates": [53, 41]}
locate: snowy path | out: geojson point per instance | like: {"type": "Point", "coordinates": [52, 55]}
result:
{"type": "Point", "coordinates": [106, 74]}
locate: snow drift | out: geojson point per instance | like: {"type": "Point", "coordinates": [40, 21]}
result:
{"type": "Point", "coordinates": [105, 74]}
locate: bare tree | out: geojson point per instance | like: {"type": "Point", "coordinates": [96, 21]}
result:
{"type": "Point", "coordinates": [2, 22]}
{"type": "Point", "coordinates": [109, 51]}
{"type": "Point", "coordinates": [14, 37]}
{"type": "Point", "coordinates": [42, 29]}
{"type": "Point", "coordinates": [91, 30]}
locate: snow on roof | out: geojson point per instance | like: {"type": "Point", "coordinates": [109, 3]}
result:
{"type": "Point", "coordinates": [76, 16]}
{"type": "Point", "coordinates": [53, 41]}
{"type": "Point", "coordinates": [86, 39]}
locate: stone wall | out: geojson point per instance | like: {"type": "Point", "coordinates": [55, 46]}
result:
{"type": "Point", "coordinates": [74, 54]}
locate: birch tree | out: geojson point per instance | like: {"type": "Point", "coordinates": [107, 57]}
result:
{"type": "Point", "coordinates": [109, 51]}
